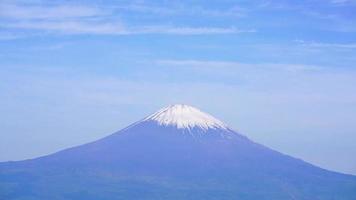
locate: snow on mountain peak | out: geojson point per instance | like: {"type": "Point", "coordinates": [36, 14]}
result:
{"type": "Point", "coordinates": [184, 116]}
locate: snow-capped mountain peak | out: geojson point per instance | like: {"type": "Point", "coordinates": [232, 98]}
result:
{"type": "Point", "coordinates": [185, 117]}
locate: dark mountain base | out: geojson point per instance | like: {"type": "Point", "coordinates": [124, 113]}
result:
{"type": "Point", "coordinates": [147, 161]}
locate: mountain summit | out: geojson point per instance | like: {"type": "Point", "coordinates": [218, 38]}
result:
{"type": "Point", "coordinates": [185, 117]}
{"type": "Point", "coordinates": [178, 152]}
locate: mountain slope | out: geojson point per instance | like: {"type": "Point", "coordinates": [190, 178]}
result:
{"type": "Point", "coordinates": [177, 153]}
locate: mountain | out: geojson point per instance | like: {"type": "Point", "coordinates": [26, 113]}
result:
{"type": "Point", "coordinates": [178, 152]}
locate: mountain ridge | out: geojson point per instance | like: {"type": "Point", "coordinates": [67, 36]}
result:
{"type": "Point", "coordinates": [163, 161]}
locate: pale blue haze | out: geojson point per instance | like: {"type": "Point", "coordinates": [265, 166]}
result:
{"type": "Point", "coordinates": [280, 72]}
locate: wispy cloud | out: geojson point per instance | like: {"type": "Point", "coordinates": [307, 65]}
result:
{"type": "Point", "coordinates": [29, 12]}
{"type": "Point", "coordinates": [326, 45]}
{"type": "Point", "coordinates": [9, 36]}
{"type": "Point", "coordinates": [234, 11]}
{"type": "Point", "coordinates": [230, 65]}
{"type": "Point", "coordinates": [69, 27]}
{"type": "Point", "coordinates": [79, 19]}
{"type": "Point", "coordinates": [92, 27]}
{"type": "Point", "coordinates": [189, 30]}
{"type": "Point", "coordinates": [342, 2]}
{"type": "Point", "coordinates": [330, 15]}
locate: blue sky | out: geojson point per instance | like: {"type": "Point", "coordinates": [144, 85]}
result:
{"type": "Point", "coordinates": [281, 72]}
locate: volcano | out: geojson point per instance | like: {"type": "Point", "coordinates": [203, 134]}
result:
{"type": "Point", "coordinates": [178, 152]}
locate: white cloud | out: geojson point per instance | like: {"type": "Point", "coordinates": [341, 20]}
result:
{"type": "Point", "coordinates": [22, 12]}
{"type": "Point", "coordinates": [79, 19]}
{"type": "Point", "coordinates": [190, 30]}
{"type": "Point", "coordinates": [9, 36]}
{"type": "Point", "coordinates": [327, 45]}
{"type": "Point", "coordinates": [338, 2]}
{"type": "Point", "coordinates": [70, 27]}
{"type": "Point", "coordinates": [234, 11]}
{"type": "Point", "coordinates": [228, 65]}
{"type": "Point", "coordinates": [111, 28]}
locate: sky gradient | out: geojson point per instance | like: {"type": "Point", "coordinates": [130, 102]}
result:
{"type": "Point", "coordinates": [280, 72]}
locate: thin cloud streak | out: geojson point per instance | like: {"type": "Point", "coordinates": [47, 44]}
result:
{"type": "Point", "coordinates": [234, 11]}
{"type": "Point", "coordinates": [327, 45]}
{"type": "Point", "coordinates": [79, 19]}
{"type": "Point", "coordinates": [342, 2]}
{"type": "Point", "coordinates": [79, 27]}
{"type": "Point", "coordinates": [69, 27]}
{"type": "Point", "coordinates": [227, 64]}
{"type": "Point", "coordinates": [13, 11]}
